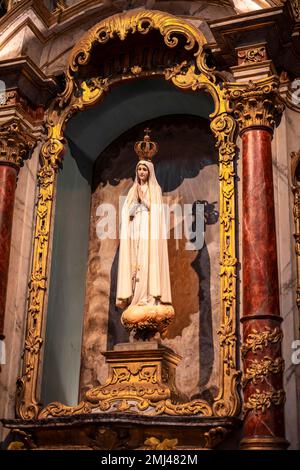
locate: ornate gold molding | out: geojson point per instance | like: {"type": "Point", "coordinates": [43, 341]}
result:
{"type": "Point", "coordinates": [256, 104]}
{"type": "Point", "coordinates": [16, 143]}
{"type": "Point", "coordinates": [141, 21]}
{"type": "Point", "coordinates": [27, 404]}
{"type": "Point", "coordinates": [223, 127]}
{"type": "Point", "coordinates": [295, 174]}
{"type": "Point", "coordinates": [139, 381]}
{"type": "Point", "coordinates": [81, 93]}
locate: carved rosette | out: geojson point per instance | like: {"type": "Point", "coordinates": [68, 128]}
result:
{"type": "Point", "coordinates": [256, 104]}
{"type": "Point", "coordinates": [16, 143]}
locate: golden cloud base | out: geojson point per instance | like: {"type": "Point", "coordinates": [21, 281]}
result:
{"type": "Point", "coordinates": [147, 320]}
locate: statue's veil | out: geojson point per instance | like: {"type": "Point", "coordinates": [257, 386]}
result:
{"type": "Point", "coordinates": [158, 275]}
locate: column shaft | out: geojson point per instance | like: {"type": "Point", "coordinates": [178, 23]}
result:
{"type": "Point", "coordinates": [8, 177]}
{"type": "Point", "coordinates": [263, 364]}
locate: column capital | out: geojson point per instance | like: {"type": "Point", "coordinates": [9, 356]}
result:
{"type": "Point", "coordinates": [256, 104]}
{"type": "Point", "coordinates": [16, 143]}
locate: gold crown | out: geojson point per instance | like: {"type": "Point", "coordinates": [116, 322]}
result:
{"type": "Point", "coordinates": [146, 149]}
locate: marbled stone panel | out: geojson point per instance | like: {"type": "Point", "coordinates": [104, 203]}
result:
{"type": "Point", "coordinates": [8, 177]}
{"type": "Point", "coordinates": [18, 277]}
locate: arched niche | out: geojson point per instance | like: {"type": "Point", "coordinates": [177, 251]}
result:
{"type": "Point", "coordinates": [134, 46]}
{"type": "Point", "coordinates": [126, 106]}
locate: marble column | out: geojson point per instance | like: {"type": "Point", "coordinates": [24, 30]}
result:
{"type": "Point", "coordinates": [257, 108]}
{"type": "Point", "coordinates": [15, 147]}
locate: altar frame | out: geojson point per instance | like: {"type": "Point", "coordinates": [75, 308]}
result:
{"type": "Point", "coordinates": [78, 95]}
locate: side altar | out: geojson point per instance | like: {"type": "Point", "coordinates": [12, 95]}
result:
{"type": "Point", "coordinates": [167, 373]}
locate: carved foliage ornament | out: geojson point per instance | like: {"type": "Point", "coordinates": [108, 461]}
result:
{"type": "Point", "coordinates": [16, 143]}
{"type": "Point", "coordinates": [261, 401]}
{"type": "Point", "coordinates": [257, 341]}
{"type": "Point", "coordinates": [258, 371]}
{"type": "Point", "coordinates": [141, 22]}
{"type": "Point", "coordinates": [256, 104]}
{"type": "Point", "coordinates": [79, 95]}
{"type": "Point", "coordinates": [249, 56]}
{"type": "Point", "coordinates": [27, 404]}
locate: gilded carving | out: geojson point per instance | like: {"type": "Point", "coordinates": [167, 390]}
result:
{"type": "Point", "coordinates": [80, 94]}
{"type": "Point", "coordinates": [258, 370]}
{"type": "Point", "coordinates": [33, 342]}
{"type": "Point", "coordinates": [27, 405]}
{"type": "Point", "coordinates": [16, 143]}
{"type": "Point", "coordinates": [214, 437]}
{"type": "Point", "coordinates": [137, 404]}
{"type": "Point", "coordinates": [228, 342]}
{"type": "Point", "coordinates": [295, 159]}
{"type": "Point", "coordinates": [139, 381]}
{"type": "Point", "coordinates": [57, 409]}
{"type": "Point", "coordinates": [152, 443]}
{"type": "Point", "coordinates": [254, 55]}
{"type": "Point", "coordinates": [16, 445]}
{"type": "Point", "coordinates": [136, 382]}
{"type": "Point", "coordinates": [256, 104]}
{"type": "Point", "coordinates": [136, 70]}
{"type": "Point", "coordinates": [261, 401]}
{"type": "Point", "coordinates": [223, 127]}
{"type": "Point", "coordinates": [140, 22]}
{"type": "Point", "coordinates": [22, 441]}
{"type": "Point", "coordinates": [257, 341]}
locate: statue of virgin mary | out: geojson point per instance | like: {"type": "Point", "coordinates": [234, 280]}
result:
{"type": "Point", "coordinates": [143, 284]}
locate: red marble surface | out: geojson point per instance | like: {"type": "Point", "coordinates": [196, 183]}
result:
{"type": "Point", "coordinates": [260, 273]}
{"type": "Point", "coordinates": [8, 176]}
{"type": "Point", "coordinates": [260, 280]}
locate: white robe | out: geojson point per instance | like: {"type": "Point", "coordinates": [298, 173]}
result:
{"type": "Point", "coordinates": [143, 270]}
